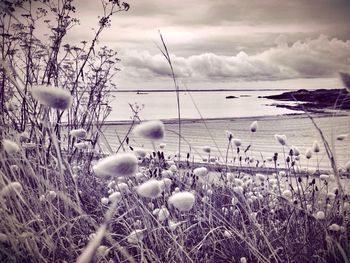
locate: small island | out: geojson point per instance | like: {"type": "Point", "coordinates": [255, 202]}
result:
{"type": "Point", "coordinates": [314, 100]}
{"type": "Point", "coordinates": [231, 97]}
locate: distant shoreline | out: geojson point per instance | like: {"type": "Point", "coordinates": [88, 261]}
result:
{"type": "Point", "coordinates": [145, 91]}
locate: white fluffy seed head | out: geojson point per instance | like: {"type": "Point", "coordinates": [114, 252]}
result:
{"type": "Point", "coordinates": [81, 145]}
{"type": "Point", "coordinates": [115, 197]}
{"type": "Point", "coordinates": [254, 126]}
{"type": "Point", "coordinates": [334, 227]}
{"type": "Point", "coordinates": [316, 147]}
{"type": "Point", "coordinates": [237, 142]}
{"type": "Point", "coordinates": [124, 164]}
{"type": "Point", "coordinates": [152, 130]}
{"type": "Point", "coordinates": [206, 149]}
{"type": "Point", "coordinates": [295, 151]}
{"type": "Point", "coordinates": [282, 139]}
{"type": "Point", "coordinates": [10, 147]}
{"type": "Point", "coordinates": [12, 188]}
{"type": "Point", "coordinates": [183, 201]}
{"type": "Point", "coordinates": [140, 152]}
{"type": "Point", "coordinates": [163, 214]}
{"type": "Point", "coordinates": [78, 133]}
{"type": "Point", "coordinates": [320, 215]}
{"type": "Point", "coordinates": [287, 194]}
{"type": "Point", "coordinates": [308, 153]}
{"type": "Point", "coordinates": [149, 189]}
{"type": "Point", "coordinates": [135, 236]}
{"type": "Point", "coordinates": [200, 171]}
{"type": "Point", "coordinates": [53, 97]}
{"type": "Point", "coordinates": [104, 200]}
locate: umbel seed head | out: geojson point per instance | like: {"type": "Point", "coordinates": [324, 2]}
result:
{"type": "Point", "coordinates": [56, 98]}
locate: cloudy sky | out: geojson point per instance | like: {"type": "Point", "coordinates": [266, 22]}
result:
{"type": "Point", "coordinates": [226, 43]}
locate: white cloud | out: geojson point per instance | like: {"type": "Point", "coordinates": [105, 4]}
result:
{"type": "Point", "coordinates": [313, 58]}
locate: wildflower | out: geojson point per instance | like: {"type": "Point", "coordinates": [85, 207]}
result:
{"type": "Point", "coordinates": [228, 233]}
{"type": "Point", "coordinates": [342, 137]}
{"type": "Point", "coordinates": [320, 215]}
{"type": "Point", "coordinates": [334, 227]}
{"type": "Point", "coordinates": [238, 189]}
{"type": "Point", "coordinates": [140, 152]}
{"type": "Point", "coordinates": [282, 139]}
{"type": "Point", "coordinates": [316, 147]}
{"type": "Point", "coordinates": [173, 225]}
{"type": "Point", "coordinates": [173, 168]}
{"type": "Point", "coordinates": [287, 194]}
{"type": "Point", "coordinates": [115, 197]}
{"type": "Point", "coordinates": [10, 147]}
{"type": "Point", "coordinates": [238, 182]}
{"type": "Point", "coordinates": [166, 173]}
{"type": "Point", "coordinates": [116, 165]}
{"type": "Point", "coordinates": [324, 177]}
{"type": "Point", "coordinates": [149, 189]}
{"type": "Point", "coordinates": [123, 188]}
{"type": "Point", "coordinates": [205, 199]}
{"type": "Point", "coordinates": [165, 184]}
{"type": "Point", "coordinates": [206, 149]}
{"type": "Point", "coordinates": [254, 126]}
{"type": "Point", "coordinates": [229, 135]}
{"type": "Point", "coordinates": [81, 145]}
{"type": "Point", "coordinates": [78, 133]}
{"type": "Point", "coordinates": [53, 97]}
{"type": "Point", "coordinates": [152, 130]}
{"type": "Point", "coordinates": [295, 151]}
{"type": "Point", "coordinates": [14, 187]}
{"type": "Point", "coordinates": [237, 142]}
{"type": "Point", "coordinates": [104, 200]}
{"type": "Point", "coordinates": [200, 171]}
{"type": "Point", "coordinates": [308, 153]}
{"type": "Point", "coordinates": [183, 201]}
{"type": "Point", "coordinates": [135, 236]}
{"type": "Point", "coordinates": [52, 194]}
{"type": "Point", "coordinates": [261, 177]}
{"type": "Point", "coordinates": [163, 214]}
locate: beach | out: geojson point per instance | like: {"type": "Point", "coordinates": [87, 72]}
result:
{"type": "Point", "coordinates": [299, 130]}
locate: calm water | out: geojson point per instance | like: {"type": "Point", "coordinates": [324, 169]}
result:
{"type": "Point", "coordinates": [213, 104]}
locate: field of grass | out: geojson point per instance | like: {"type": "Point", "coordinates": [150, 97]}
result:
{"type": "Point", "coordinates": [62, 201]}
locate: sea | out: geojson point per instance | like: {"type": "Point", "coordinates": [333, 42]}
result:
{"type": "Point", "coordinates": [207, 115]}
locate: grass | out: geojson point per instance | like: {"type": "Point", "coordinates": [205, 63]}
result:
{"type": "Point", "coordinates": [54, 208]}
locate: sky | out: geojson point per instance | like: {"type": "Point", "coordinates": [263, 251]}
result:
{"type": "Point", "coordinates": [225, 43]}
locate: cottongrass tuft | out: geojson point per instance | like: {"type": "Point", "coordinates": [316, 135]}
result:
{"type": "Point", "coordinates": [10, 147]}
{"type": "Point", "coordinates": [152, 130]}
{"type": "Point", "coordinates": [124, 164]}
{"type": "Point", "coordinates": [150, 189]}
{"type": "Point", "coordinates": [320, 215]}
{"type": "Point", "coordinates": [12, 188]}
{"type": "Point", "coordinates": [334, 227]}
{"type": "Point", "coordinates": [163, 214]}
{"type": "Point", "coordinates": [295, 150]}
{"type": "Point", "coordinates": [115, 197]}
{"type": "Point", "coordinates": [104, 200]}
{"type": "Point", "coordinates": [237, 142]}
{"type": "Point", "coordinates": [316, 147]}
{"type": "Point", "coordinates": [347, 166]}
{"type": "Point", "coordinates": [183, 201]}
{"type": "Point", "coordinates": [308, 153]}
{"type": "Point", "coordinates": [53, 97]}
{"type": "Point", "coordinates": [287, 194]}
{"type": "Point", "coordinates": [254, 126]}
{"type": "Point", "coordinates": [82, 145]}
{"type": "Point", "coordinates": [135, 236]}
{"type": "Point", "coordinates": [206, 149]}
{"type": "Point", "coordinates": [200, 171]}
{"type": "Point", "coordinates": [282, 139]}
{"type": "Point", "coordinates": [78, 133]}
{"type": "Point", "coordinates": [140, 152]}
